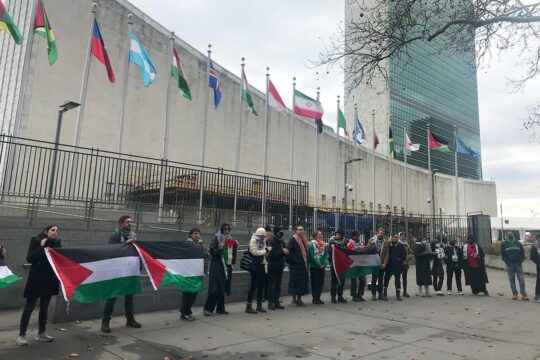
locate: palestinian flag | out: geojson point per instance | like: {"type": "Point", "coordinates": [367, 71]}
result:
{"type": "Point", "coordinates": [93, 273]}
{"type": "Point", "coordinates": [350, 264]}
{"type": "Point", "coordinates": [229, 251]}
{"type": "Point", "coordinates": [177, 73]}
{"type": "Point", "coordinates": [173, 263]}
{"type": "Point", "coordinates": [437, 143]}
{"type": "Point", "coordinates": [7, 24]}
{"type": "Point", "coordinates": [246, 94]}
{"type": "Point", "coordinates": [43, 28]}
{"type": "Point", "coordinates": [7, 277]}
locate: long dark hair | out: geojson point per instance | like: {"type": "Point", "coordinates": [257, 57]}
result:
{"type": "Point", "coordinates": [43, 234]}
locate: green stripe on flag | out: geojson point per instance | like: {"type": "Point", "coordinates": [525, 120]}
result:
{"type": "Point", "coordinates": [359, 271]}
{"type": "Point", "coordinates": [8, 280]}
{"type": "Point", "coordinates": [192, 284]}
{"type": "Point", "coordinates": [103, 290]}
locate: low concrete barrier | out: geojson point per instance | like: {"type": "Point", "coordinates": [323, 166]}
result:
{"type": "Point", "coordinates": [496, 262]}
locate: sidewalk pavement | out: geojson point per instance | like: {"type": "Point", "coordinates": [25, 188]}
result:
{"type": "Point", "coordinates": [449, 327]}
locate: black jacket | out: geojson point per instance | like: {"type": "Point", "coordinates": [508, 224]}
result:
{"type": "Point", "coordinates": [513, 254]}
{"type": "Point", "coordinates": [117, 238]}
{"type": "Point", "coordinates": [276, 257]}
{"type": "Point", "coordinates": [450, 261]}
{"type": "Point", "coordinates": [535, 257]}
{"type": "Point", "coordinates": [42, 280]}
{"type": "Point", "coordinates": [396, 256]}
{"type": "Point", "coordinates": [298, 269]}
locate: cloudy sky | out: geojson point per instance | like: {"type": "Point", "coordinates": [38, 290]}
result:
{"type": "Point", "coordinates": [287, 35]}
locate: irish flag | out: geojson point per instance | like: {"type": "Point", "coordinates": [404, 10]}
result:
{"type": "Point", "coordinates": [7, 24]}
{"type": "Point", "coordinates": [173, 263]}
{"type": "Point", "coordinates": [93, 273]}
{"type": "Point", "coordinates": [177, 73]}
{"type": "Point", "coordinates": [307, 107]}
{"type": "Point", "coordinates": [7, 277]}
{"type": "Point", "coordinates": [349, 264]}
{"type": "Point", "coordinates": [437, 143]}
{"type": "Point", "coordinates": [246, 94]}
{"type": "Point", "coordinates": [274, 100]}
{"type": "Point", "coordinates": [43, 28]}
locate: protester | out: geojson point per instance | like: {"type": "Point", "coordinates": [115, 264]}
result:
{"type": "Point", "coordinates": [124, 234]}
{"type": "Point", "coordinates": [269, 236]}
{"type": "Point", "coordinates": [42, 283]}
{"type": "Point", "coordinates": [393, 254]}
{"type": "Point", "coordinates": [358, 285]}
{"type": "Point", "coordinates": [423, 255]}
{"type": "Point", "coordinates": [2, 251]}
{"type": "Point", "coordinates": [454, 260]}
{"type": "Point", "coordinates": [535, 257]}
{"type": "Point", "coordinates": [406, 263]}
{"type": "Point", "coordinates": [276, 264]}
{"type": "Point", "coordinates": [474, 267]}
{"type": "Point", "coordinates": [223, 250]}
{"type": "Point", "coordinates": [258, 250]}
{"type": "Point", "coordinates": [318, 259]}
{"type": "Point", "coordinates": [377, 279]}
{"type": "Point", "coordinates": [437, 271]}
{"type": "Point", "coordinates": [188, 299]}
{"type": "Point", "coordinates": [513, 255]}
{"type": "Point", "coordinates": [298, 266]}
{"type": "Point", "coordinates": [336, 285]}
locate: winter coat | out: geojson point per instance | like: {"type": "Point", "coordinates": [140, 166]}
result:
{"type": "Point", "coordinates": [423, 268]}
{"type": "Point", "coordinates": [42, 280]}
{"type": "Point", "coordinates": [257, 248]}
{"type": "Point", "coordinates": [117, 238]}
{"type": "Point", "coordinates": [409, 256]}
{"type": "Point", "coordinates": [298, 269]}
{"type": "Point", "coordinates": [218, 283]}
{"type": "Point", "coordinates": [535, 257]}
{"type": "Point", "coordinates": [512, 253]}
{"type": "Point", "coordinates": [481, 265]}
{"type": "Point", "coordinates": [454, 257]}
{"type": "Point", "coordinates": [276, 257]}
{"type": "Point", "coordinates": [313, 261]}
{"type": "Point", "coordinates": [394, 256]}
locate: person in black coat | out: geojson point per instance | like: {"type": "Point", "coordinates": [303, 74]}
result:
{"type": "Point", "coordinates": [276, 263]}
{"type": "Point", "coordinates": [535, 257]}
{"type": "Point", "coordinates": [42, 283]}
{"type": "Point", "coordinates": [454, 260]}
{"type": "Point", "coordinates": [423, 255]}
{"type": "Point", "coordinates": [298, 266]}
{"type": "Point", "coordinates": [474, 267]}
{"type": "Point", "coordinates": [188, 298]}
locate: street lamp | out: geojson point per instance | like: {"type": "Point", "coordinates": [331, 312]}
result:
{"type": "Point", "coordinates": [347, 187]}
{"type": "Point", "coordinates": [432, 200]}
{"type": "Point", "coordinates": [68, 105]}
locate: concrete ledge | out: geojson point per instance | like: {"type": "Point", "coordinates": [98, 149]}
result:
{"type": "Point", "coordinates": [496, 262]}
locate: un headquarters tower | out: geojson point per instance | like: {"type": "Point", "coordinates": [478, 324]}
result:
{"type": "Point", "coordinates": [428, 86]}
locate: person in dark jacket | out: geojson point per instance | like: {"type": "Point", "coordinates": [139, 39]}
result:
{"type": "Point", "coordinates": [513, 255]}
{"type": "Point", "coordinates": [188, 299]}
{"type": "Point", "coordinates": [318, 259]}
{"type": "Point", "coordinates": [276, 264]}
{"type": "Point", "coordinates": [259, 251]}
{"type": "Point", "coordinates": [358, 285]}
{"type": "Point", "coordinates": [42, 283]}
{"type": "Point", "coordinates": [223, 250]}
{"type": "Point", "coordinates": [535, 257]}
{"type": "Point", "coordinates": [336, 285]}
{"type": "Point", "coordinates": [454, 260]}
{"type": "Point", "coordinates": [423, 255]}
{"type": "Point", "coordinates": [377, 279]}
{"type": "Point", "coordinates": [474, 267]}
{"type": "Point", "coordinates": [393, 254]}
{"type": "Point", "coordinates": [403, 240]}
{"type": "Point", "coordinates": [437, 270]}
{"type": "Point", "coordinates": [298, 266]}
{"type": "Point", "coordinates": [124, 234]}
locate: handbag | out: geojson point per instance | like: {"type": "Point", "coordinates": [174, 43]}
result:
{"type": "Point", "coordinates": [247, 261]}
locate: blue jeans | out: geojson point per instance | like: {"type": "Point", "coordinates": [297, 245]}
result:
{"type": "Point", "coordinates": [513, 270]}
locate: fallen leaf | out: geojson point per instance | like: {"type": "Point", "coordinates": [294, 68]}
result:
{"type": "Point", "coordinates": [89, 348]}
{"type": "Point", "coordinates": [61, 329]}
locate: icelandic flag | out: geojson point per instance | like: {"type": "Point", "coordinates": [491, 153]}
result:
{"type": "Point", "coordinates": [462, 148]}
{"type": "Point", "coordinates": [214, 83]}
{"type": "Point", "coordinates": [359, 135]}
{"type": "Point", "coordinates": [138, 56]}
{"type": "Point", "coordinates": [100, 52]}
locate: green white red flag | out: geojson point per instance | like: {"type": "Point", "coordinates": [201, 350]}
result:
{"type": "Point", "coordinates": [177, 73]}
{"type": "Point", "coordinates": [307, 107]}
{"type": "Point", "coordinates": [246, 94]}
{"type": "Point", "coordinates": [7, 277]}
{"type": "Point", "coordinates": [350, 264]}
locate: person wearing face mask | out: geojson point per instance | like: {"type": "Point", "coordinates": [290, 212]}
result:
{"type": "Point", "coordinates": [377, 280]}
{"type": "Point", "coordinates": [454, 259]}
{"type": "Point", "coordinates": [423, 255]}
{"type": "Point", "coordinates": [392, 256]}
{"type": "Point", "coordinates": [474, 267]}
{"type": "Point", "coordinates": [406, 263]}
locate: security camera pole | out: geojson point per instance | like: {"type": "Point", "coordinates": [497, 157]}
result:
{"type": "Point", "coordinates": [346, 188]}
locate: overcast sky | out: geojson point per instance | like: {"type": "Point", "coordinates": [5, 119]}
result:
{"type": "Point", "coordinates": [285, 35]}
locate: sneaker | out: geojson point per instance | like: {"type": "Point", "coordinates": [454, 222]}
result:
{"type": "Point", "coordinates": [449, 292]}
{"type": "Point", "coordinates": [514, 297]}
{"type": "Point", "coordinates": [461, 293]}
{"type": "Point", "coordinates": [43, 338]}
{"type": "Point", "coordinates": [524, 297]}
{"type": "Point", "coordinates": [299, 302]}
{"type": "Point", "coordinates": [105, 328]}
{"type": "Point", "coordinates": [207, 313]}
{"type": "Point", "coordinates": [439, 293]}
{"type": "Point", "coordinates": [419, 293]}
{"type": "Point", "coordinates": [188, 318]}
{"type": "Point", "coordinates": [21, 341]}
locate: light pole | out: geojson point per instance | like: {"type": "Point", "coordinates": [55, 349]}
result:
{"type": "Point", "coordinates": [68, 105]}
{"type": "Point", "coordinates": [433, 214]}
{"type": "Point", "coordinates": [347, 187]}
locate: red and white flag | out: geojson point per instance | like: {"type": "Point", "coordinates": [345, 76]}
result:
{"type": "Point", "coordinates": [410, 145]}
{"type": "Point", "coordinates": [274, 100]}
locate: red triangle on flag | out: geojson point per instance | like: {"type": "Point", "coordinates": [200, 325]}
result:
{"type": "Point", "coordinates": [376, 141]}
{"type": "Point", "coordinates": [70, 273]}
{"type": "Point", "coordinates": [342, 262]}
{"type": "Point", "coordinates": [155, 269]}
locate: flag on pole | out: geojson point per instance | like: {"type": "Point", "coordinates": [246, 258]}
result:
{"type": "Point", "coordinates": [7, 277]}
{"type": "Point", "coordinates": [342, 123]}
{"type": "Point", "coordinates": [351, 264]}
{"type": "Point", "coordinates": [308, 107]}
{"type": "Point", "coordinates": [463, 148]}
{"type": "Point", "coordinates": [138, 56]}
{"type": "Point", "coordinates": [42, 27]}
{"type": "Point", "coordinates": [437, 143]}
{"type": "Point", "coordinates": [409, 145]}
{"type": "Point", "coordinates": [7, 24]}
{"type": "Point", "coordinates": [214, 83]}
{"type": "Point", "coordinates": [375, 141]}
{"type": "Point", "coordinates": [391, 147]}
{"type": "Point", "coordinates": [177, 72]}
{"type": "Point", "coordinates": [274, 99]}
{"type": "Point", "coordinates": [359, 135]}
{"type": "Point", "coordinates": [100, 52]}
{"type": "Point", "coordinates": [246, 94]}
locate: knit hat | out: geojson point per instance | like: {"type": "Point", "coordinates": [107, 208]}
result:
{"type": "Point", "coordinates": [260, 232]}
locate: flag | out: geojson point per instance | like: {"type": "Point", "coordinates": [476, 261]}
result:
{"type": "Point", "coordinates": [342, 123]}
{"type": "Point", "coordinates": [463, 148]}
{"type": "Point", "coordinates": [391, 147]}
{"type": "Point", "coordinates": [437, 143]}
{"type": "Point", "coordinates": [359, 135]}
{"type": "Point", "coordinates": [246, 94]}
{"type": "Point", "coordinates": [7, 24]}
{"type": "Point", "coordinates": [351, 264]}
{"type": "Point", "coordinates": [43, 28]}
{"type": "Point", "coordinates": [99, 272]}
{"type": "Point", "coordinates": [274, 99]}
{"type": "Point", "coordinates": [177, 72]}
{"type": "Point", "coordinates": [100, 52]}
{"type": "Point", "coordinates": [7, 277]}
{"type": "Point", "coordinates": [173, 263]}
{"type": "Point", "coordinates": [138, 56]}
{"type": "Point", "coordinates": [310, 108]}
{"type": "Point", "coordinates": [375, 141]}
{"type": "Point", "coordinates": [409, 145]}
{"type": "Point", "coordinates": [214, 83]}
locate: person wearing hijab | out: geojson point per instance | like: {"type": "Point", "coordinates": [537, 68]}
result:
{"type": "Point", "coordinates": [474, 267]}
{"type": "Point", "coordinates": [535, 257]}
{"type": "Point", "coordinates": [258, 250]}
{"type": "Point", "coordinates": [423, 255]}
{"type": "Point", "coordinates": [298, 266]}
{"type": "Point", "coordinates": [318, 259]}
{"type": "Point", "coordinates": [513, 255]}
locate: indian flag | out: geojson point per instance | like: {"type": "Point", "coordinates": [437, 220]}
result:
{"type": "Point", "coordinates": [307, 107]}
{"type": "Point", "coordinates": [7, 277]}
{"type": "Point", "coordinates": [43, 28]}
{"type": "Point", "coordinates": [93, 273]}
{"type": "Point", "coordinates": [177, 73]}
{"type": "Point", "coordinates": [350, 264]}
{"type": "Point", "coordinates": [246, 94]}
{"type": "Point", "coordinates": [7, 24]}
{"type": "Point", "coordinates": [173, 263]}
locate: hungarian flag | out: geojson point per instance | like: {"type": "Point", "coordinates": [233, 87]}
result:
{"type": "Point", "coordinates": [246, 94]}
{"type": "Point", "coordinates": [437, 143]}
{"type": "Point", "coordinates": [100, 52]}
{"type": "Point", "coordinates": [7, 24]}
{"type": "Point", "coordinates": [350, 264]}
{"type": "Point", "coordinates": [409, 145]}
{"type": "Point", "coordinates": [391, 147]}
{"type": "Point", "coordinates": [342, 123]}
{"type": "Point", "coordinates": [7, 277]}
{"type": "Point", "coordinates": [173, 263]}
{"type": "Point", "coordinates": [177, 72]}
{"type": "Point", "coordinates": [274, 99]}
{"type": "Point", "coordinates": [93, 273]}
{"type": "Point", "coordinates": [43, 28]}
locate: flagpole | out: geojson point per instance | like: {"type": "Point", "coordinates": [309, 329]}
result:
{"type": "Point", "coordinates": [337, 168]}
{"type": "Point", "coordinates": [238, 142]}
{"type": "Point", "coordinates": [456, 171]}
{"type": "Point", "coordinates": [205, 130]}
{"type": "Point", "coordinates": [316, 200]}
{"type": "Point", "coordinates": [390, 179]}
{"type": "Point", "coordinates": [265, 158]}
{"type": "Point", "coordinates": [291, 169]}
{"type": "Point", "coordinates": [373, 164]}
{"type": "Point", "coordinates": [431, 186]}
{"type": "Point", "coordinates": [356, 187]}
{"type": "Point", "coordinates": [406, 180]}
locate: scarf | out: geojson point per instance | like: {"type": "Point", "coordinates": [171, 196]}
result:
{"type": "Point", "coordinates": [225, 240]}
{"type": "Point", "coordinates": [302, 244]}
{"type": "Point", "coordinates": [319, 248]}
{"type": "Point", "coordinates": [126, 234]}
{"type": "Point", "coordinates": [510, 240]}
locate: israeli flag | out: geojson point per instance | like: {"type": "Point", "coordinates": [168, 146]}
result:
{"type": "Point", "coordinates": [359, 135]}
{"type": "Point", "coordinates": [138, 56]}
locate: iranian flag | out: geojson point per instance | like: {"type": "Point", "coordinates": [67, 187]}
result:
{"type": "Point", "coordinates": [43, 28]}
{"type": "Point", "coordinates": [307, 107]}
{"type": "Point", "coordinates": [93, 273]}
{"type": "Point", "coordinates": [274, 100]}
{"type": "Point", "coordinates": [7, 24]}
{"type": "Point", "coordinates": [437, 143]}
{"type": "Point", "coordinates": [350, 264]}
{"type": "Point", "coordinates": [177, 73]}
{"type": "Point", "coordinates": [246, 94]}
{"type": "Point", "coordinates": [173, 263]}
{"type": "Point", "coordinates": [7, 277]}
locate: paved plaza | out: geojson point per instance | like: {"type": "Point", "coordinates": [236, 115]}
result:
{"type": "Point", "coordinates": [449, 327]}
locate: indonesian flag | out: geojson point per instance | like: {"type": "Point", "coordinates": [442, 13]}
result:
{"type": "Point", "coordinates": [7, 277]}
{"type": "Point", "coordinates": [350, 264]}
{"type": "Point", "coordinates": [173, 263]}
{"type": "Point", "coordinates": [410, 145]}
{"type": "Point", "coordinates": [307, 107]}
{"type": "Point", "coordinates": [99, 272]}
{"type": "Point", "coordinates": [274, 100]}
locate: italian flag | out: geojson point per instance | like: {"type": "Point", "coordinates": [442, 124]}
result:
{"type": "Point", "coordinates": [7, 24]}
{"type": "Point", "coordinates": [7, 277]}
{"type": "Point", "coordinates": [43, 28]}
{"type": "Point", "coordinates": [437, 143]}
{"type": "Point", "coordinates": [350, 264]}
{"type": "Point", "coordinates": [342, 123]}
{"type": "Point", "coordinates": [307, 107]}
{"type": "Point", "coordinates": [173, 263]}
{"type": "Point", "coordinates": [177, 73]}
{"type": "Point", "coordinates": [246, 94]}
{"type": "Point", "coordinates": [274, 100]}
{"type": "Point", "coordinates": [94, 273]}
